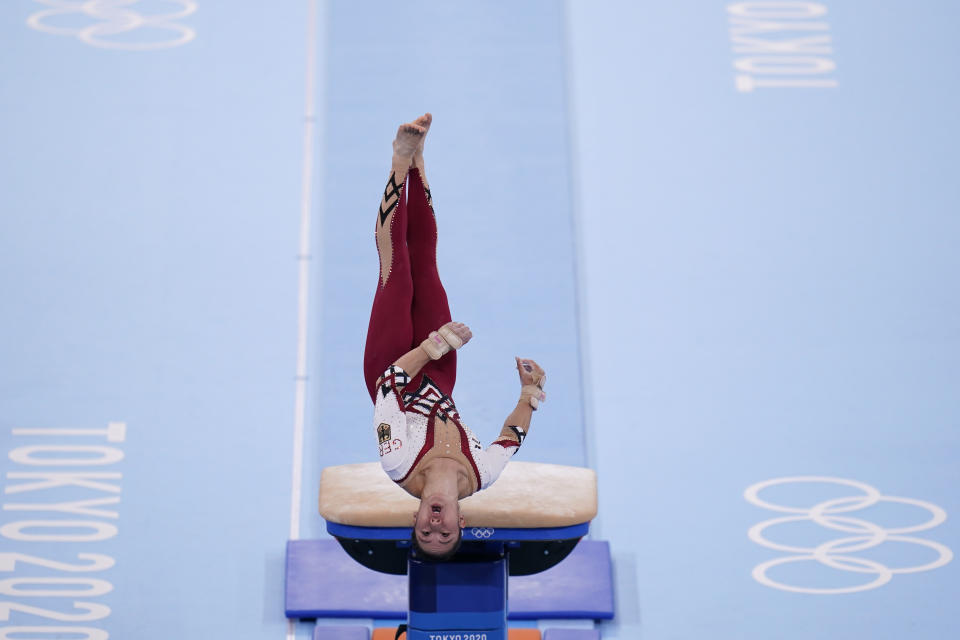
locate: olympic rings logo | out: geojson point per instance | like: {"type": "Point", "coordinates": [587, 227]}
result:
{"type": "Point", "coordinates": [482, 532]}
{"type": "Point", "coordinates": [113, 19]}
{"type": "Point", "coordinates": [835, 553]}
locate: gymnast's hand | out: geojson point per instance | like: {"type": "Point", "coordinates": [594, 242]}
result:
{"type": "Point", "coordinates": [532, 378]}
{"type": "Point", "coordinates": [452, 335]}
{"type": "Point", "coordinates": [530, 372]}
{"type": "Point", "coordinates": [461, 330]}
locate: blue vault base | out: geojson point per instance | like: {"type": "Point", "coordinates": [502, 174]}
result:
{"type": "Point", "coordinates": [495, 575]}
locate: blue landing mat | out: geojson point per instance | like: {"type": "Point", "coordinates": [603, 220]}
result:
{"type": "Point", "coordinates": [341, 632]}
{"type": "Point", "coordinates": [324, 582]}
{"type": "Point", "coordinates": [571, 634]}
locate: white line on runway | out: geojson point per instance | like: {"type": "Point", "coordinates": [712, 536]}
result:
{"type": "Point", "coordinates": [303, 287]}
{"type": "Point", "coordinates": [579, 258]}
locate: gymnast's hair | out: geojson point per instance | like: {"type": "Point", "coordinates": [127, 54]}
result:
{"type": "Point", "coordinates": [435, 557]}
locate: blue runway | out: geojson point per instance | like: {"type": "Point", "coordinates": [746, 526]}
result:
{"type": "Point", "coordinates": [725, 229]}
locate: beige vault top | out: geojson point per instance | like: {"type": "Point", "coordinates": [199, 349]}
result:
{"type": "Point", "coordinates": [526, 495]}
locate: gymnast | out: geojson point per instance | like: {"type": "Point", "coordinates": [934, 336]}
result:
{"type": "Point", "coordinates": [410, 364]}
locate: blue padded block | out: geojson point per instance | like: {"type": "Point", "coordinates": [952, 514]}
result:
{"type": "Point", "coordinates": [324, 582]}
{"type": "Point", "coordinates": [571, 634]}
{"type": "Point", "coordinates": [340, 632]}
{"type": "Point", "coordinates": [581, 586]}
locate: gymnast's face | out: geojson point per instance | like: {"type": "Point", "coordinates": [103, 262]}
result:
{"type": "Point", "coordinates": [436, 524]}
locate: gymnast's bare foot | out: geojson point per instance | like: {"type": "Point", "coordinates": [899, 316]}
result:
{"type": "Point", "coordinates": [410, 138]}
{"type": "Point", "coordinates": [423, 121]}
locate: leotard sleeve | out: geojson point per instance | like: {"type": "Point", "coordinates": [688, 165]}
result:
{"type": "Point", "coordinates": [498, 454]}
{"type": "Point", "coordinates": [390, 422]}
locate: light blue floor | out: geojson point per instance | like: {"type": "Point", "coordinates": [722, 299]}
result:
{"type": "Point", "coordinates": [726, 287]}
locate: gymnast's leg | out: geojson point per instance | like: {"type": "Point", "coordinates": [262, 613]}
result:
{"type": "Point", "coordinates": [390, 333]}
{"type": "Point", "coordinates": [430, 309]}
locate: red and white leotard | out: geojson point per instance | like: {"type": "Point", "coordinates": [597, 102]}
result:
{"type": "Point", "coordinates": [416, 427]}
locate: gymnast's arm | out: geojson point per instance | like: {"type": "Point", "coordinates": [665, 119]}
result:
{"type": "Point", "coordinates": [517, 425]}
{"type": "Point", "coordinates": [452, 335]}
{"type": "Point", "coordinates": [412, 361]}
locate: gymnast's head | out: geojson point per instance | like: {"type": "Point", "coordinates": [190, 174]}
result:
{"type": "Point", "coordinates": [438, 527]}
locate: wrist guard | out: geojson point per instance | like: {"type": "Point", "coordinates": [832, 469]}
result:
{"type": "Point", "coordinates": [439, 342]}
{"type": "Point", "coordinates": [533, 394]}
